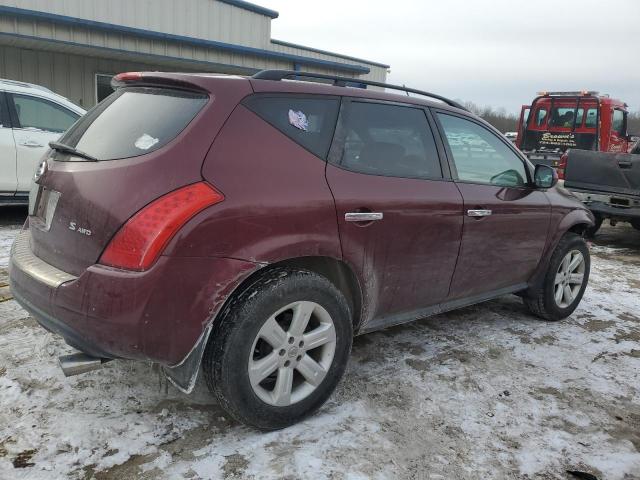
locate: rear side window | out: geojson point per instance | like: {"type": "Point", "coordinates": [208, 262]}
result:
{"type": "Point", "coordinates": [389, 140]}
{"type": "Point", "coordinates": [33, 112]}
{"type": "Point", "coordinates": [134, 121]}
{"type": "Point", "coordinates": [310, 122]}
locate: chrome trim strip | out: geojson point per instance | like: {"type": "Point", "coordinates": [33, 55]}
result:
{"type": "Point", "coordinates": [24, 260]}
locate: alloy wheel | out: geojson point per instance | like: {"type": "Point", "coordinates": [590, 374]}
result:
{"type": "Point", "coordinates": [292, 353]}
{"type": "Point", "coordinates": [569, 278]}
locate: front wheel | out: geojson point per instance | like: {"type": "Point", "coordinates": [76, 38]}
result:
{"type": "Point", "coordinates": [279, 349]}
{"type": "Point", "coordinates": [565, 280]}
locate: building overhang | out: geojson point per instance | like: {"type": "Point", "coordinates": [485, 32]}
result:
{"type": "Point", "coordinates": [154, 60]}
{"type": "Point", "coordinates": [34, 15]}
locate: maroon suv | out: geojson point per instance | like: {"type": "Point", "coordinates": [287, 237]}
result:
{"type": "Point", "coordinates": [252, 226]}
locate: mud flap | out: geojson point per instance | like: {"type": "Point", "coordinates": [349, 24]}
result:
{"type": "Point", "coordinates": [184, 375]}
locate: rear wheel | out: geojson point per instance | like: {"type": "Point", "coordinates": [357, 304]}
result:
{"type": "Point", "coordinates": [280, 349]}
{"type": "Point", "coordinates": [564, 282]}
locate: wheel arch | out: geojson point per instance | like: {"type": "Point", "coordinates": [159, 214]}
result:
{"type": "Point", "coordinates": [184, 374]}
{"type": "Point", "coordinates": [575, 221]}
{"type": "Point", "coordinates": [333, 269]}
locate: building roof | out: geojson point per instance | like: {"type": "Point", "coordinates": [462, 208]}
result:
{"type": "Point", "coordinates": [252, 7]}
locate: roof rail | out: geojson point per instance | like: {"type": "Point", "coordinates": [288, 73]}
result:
{"type": "Point", "coordinates": [278, 75]}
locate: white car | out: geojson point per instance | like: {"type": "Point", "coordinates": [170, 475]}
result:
{"type": "Point", "coordinates": [31, 116]}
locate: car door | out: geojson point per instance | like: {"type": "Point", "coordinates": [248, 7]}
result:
{"type": "Point", "coordinates": [8, 178]}
{"type": "Point", "coordinates": [399, 215]}
{"type": "Point", "coordinates": [506, 219]}
{"type": "Point", "coordinates": [618, 139]}
{"type": "Point", "coordinates": [36, 122]}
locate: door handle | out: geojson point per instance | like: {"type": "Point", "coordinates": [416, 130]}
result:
{"type": "Point", "coordinates": [363, 216]}
{"type": "Point", "coordinates": [479, 213]}
{"type": "Point", "coordinates": [31, 144]}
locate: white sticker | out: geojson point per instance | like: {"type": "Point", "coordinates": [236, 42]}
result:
{"type": "Point", "coordinates": [298, 120]}
{"type": "Point", "coordinates": [145, 142]}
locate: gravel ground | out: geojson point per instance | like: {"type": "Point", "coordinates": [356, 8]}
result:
{"type": "Point", "coordinates": [483, 392]}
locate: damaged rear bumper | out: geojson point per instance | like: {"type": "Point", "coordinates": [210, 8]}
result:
{"type": "Point", "coordinates": [162, 315]}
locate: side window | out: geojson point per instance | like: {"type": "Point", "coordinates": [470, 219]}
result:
{"type": "Point", "coordinates": [592, 117]}
{"type": "Point", "coordinates": [389, 140]}
{"type": "Point", "coordinates": [618, 122]}
{"type": "Point", "coordinates": [480, 156]}
{"type": "Point", "coordinates": [541, 117]}
{"type": "Point", "coordinates": [310, 122]}
{"type": "Point", "coordinates": [103, 86]}
{"type": "Point", "coordinates": [42, 114]}
{"type": "Point", "coordinates": [579, 117]}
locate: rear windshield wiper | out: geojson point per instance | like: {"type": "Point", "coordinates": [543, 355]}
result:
{"type": "Point", "coordinates": [61, 147]}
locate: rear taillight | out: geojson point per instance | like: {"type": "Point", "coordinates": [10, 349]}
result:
{"type": "Point", "coordinates": [562, 165]}
{"type": "Point", "coordinates": [141, 240]}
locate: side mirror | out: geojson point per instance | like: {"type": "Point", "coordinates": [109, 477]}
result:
{"type": "Point", "coordinates": [545, 176]}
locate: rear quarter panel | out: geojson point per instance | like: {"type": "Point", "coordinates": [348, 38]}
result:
{"type": "Point", "coordinates": [277, 202]}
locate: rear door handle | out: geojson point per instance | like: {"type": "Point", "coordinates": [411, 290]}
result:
{"type": "Point", "coordinates": [363, 216]}
{"type": "Point", "coordinates": [31, 144]}
{"type": "Point", "coordinates": [479, 213]}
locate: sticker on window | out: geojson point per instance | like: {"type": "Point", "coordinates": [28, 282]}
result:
{"type": "Point", "coordinates": [145, 142]}
{"type": "Point", "coordinates": [298, 120]}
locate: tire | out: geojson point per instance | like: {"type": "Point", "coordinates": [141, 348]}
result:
{"type": "Point", "coordinates": [543, 302]}
{"type": "Point", "coordinates": [246, 334]}
{"type": "Point", "coordinates": [591, 231]}
{"type": "Point", "coordinates": [635, 223]}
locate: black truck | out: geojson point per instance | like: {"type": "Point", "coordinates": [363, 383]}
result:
{"type": "Point", "coordinates": [607, 183]}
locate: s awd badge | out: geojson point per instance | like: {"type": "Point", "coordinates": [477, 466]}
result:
{"type": "Point", "coordinates": [74, 227]}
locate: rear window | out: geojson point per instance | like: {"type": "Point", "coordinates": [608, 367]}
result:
{"type": "Point", "coordinates": [310, 122]}
{"type": "Point", "coordinates": [133, 122]}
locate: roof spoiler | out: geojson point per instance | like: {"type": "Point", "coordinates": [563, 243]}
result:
{"type": "Point", "coordinates": [153, 79]}
{"type": "Point", "coordinates": [278, 75]}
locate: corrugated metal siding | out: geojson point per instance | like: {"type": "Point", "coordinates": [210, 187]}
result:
{"type": "Point", "coordinates": [377, 74]}
{"type": "Point", "coordinates": [206, 19]}
{"type": "Point", "coordinates": [72, 76]}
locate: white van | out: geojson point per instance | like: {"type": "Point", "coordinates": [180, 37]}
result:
{"type": "Point", "coordinates": [31, 116]}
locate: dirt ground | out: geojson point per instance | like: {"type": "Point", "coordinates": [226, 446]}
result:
{"type": "Point", "coordinates": [486, 392]}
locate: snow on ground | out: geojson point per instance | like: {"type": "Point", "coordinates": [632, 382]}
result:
{"type": "Point", "coordinates": [483, 392]}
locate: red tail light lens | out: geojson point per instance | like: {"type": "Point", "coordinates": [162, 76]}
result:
{"type": "Point", "coordinates": [141, 240]}
{"type": "Point", "coordinates": [562, 165]}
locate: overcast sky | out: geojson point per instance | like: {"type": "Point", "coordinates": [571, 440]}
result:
{"type": "Point", "coordinates": [492, 52]}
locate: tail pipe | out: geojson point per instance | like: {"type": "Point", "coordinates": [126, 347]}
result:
{"type": "Point", "coordinates": [77, 363]}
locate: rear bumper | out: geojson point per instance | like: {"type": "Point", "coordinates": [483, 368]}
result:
{"type": "Point", "coordinates": [610, 205]}
{"type": "Point", "coordinates": [156, 315]}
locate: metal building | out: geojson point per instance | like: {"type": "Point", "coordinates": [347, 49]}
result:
{"type": "Point", "coordinates": [74, 47]}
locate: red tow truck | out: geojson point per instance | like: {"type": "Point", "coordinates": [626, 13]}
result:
{"type": "Point", "coordinates": [585, 120]}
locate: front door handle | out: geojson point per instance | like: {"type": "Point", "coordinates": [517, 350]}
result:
{"type": "Point", "coordinates": [31, 144]}
{"type": "Point", "coordinates": [363, 216]}
{"type": "Point", "coordinates": [479, 213]}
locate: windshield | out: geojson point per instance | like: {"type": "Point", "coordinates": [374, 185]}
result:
{"type": "Point", "coordinates": [134, 121]}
